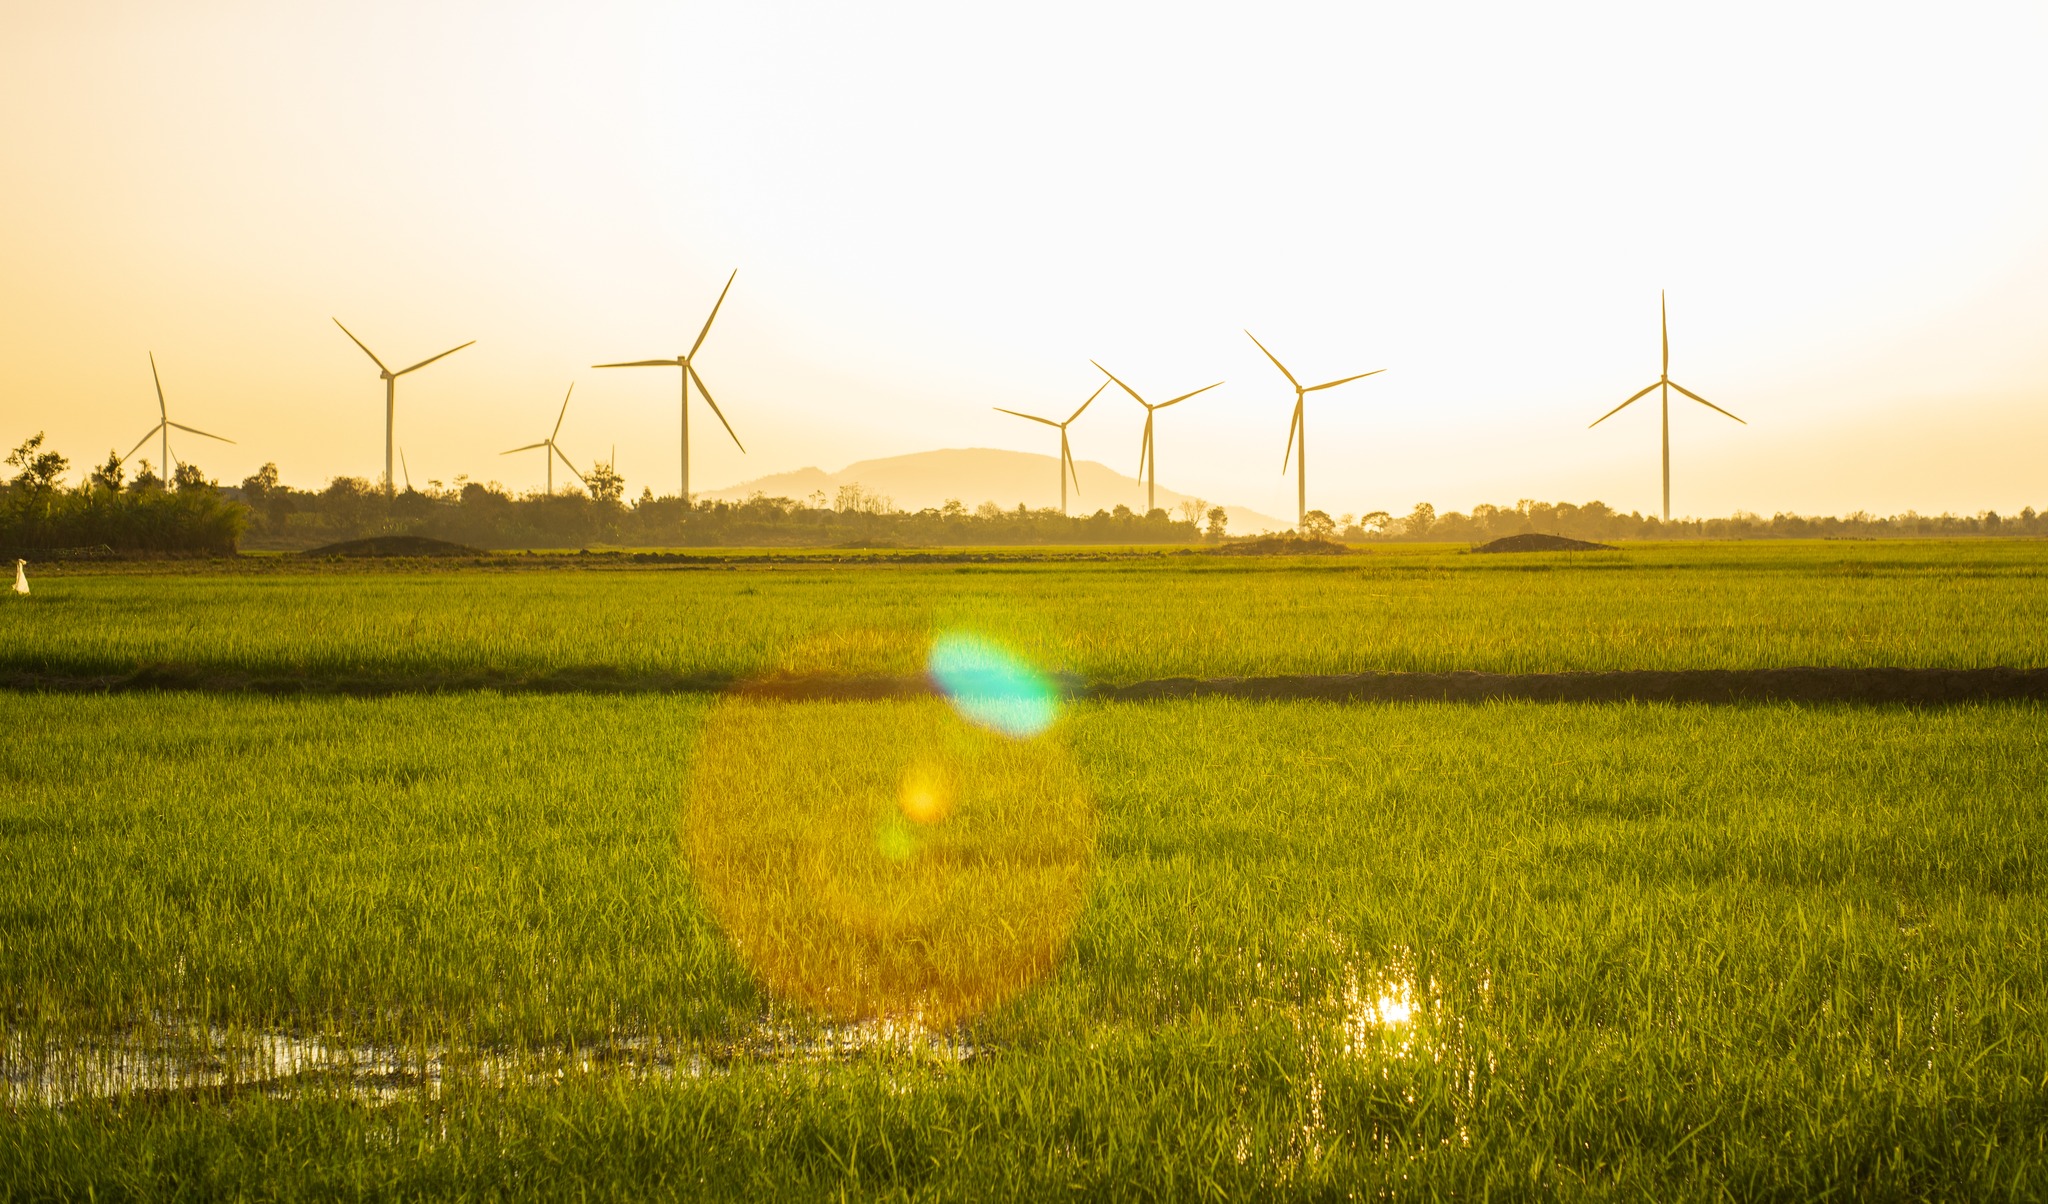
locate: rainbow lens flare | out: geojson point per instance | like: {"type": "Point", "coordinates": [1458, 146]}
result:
{"type": "Point", "coordinates": [991, 687]}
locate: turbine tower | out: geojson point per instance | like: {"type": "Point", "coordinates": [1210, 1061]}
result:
{"type": "Point", "coordinates": [1297, 430]}
{"type": "Point", "coordinates": [552, 450]}
{"type": "Point", "coordinates": [391, 395]}
{"type": "Point", "coordinates": [164, 425]}
{"type": "Point", "coordinates": [689, 374]}
{"type": "Point", "coordinates": [1665, 383]}
{"type": "Point", "coordinates": [1066, 455]}
{"type": "Point", "coordinates": [1148, 460]}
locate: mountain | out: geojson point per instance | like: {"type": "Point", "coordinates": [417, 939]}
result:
{"type": "Point", "coordinates": [975, 475]}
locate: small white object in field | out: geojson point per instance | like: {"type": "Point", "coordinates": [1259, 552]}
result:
{"type": "Point", "coordinates": [21, 576]}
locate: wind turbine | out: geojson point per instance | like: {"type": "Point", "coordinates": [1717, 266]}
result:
{"type": "Point", "coordinates": [689, 374]}
{"type": "Point", "coordinates": [1148, 459]}
{"type": "Point", "coordinates": [391, 394]}
{"type": "Point", "coordinates": [1066, 455]}
{"type": "Point", "coordinates": [553, 450]}
{"type": "Point", "coordinates": [1297, 430]}
{"type": "Point", "coordinates": [164, 425]}
{"type": "Point", "coordinates": [1665, 383]}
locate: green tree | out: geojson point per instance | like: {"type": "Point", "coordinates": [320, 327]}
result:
{"type": "Point", "coordinates": [1419, 521]}
{"type": "Point", "coordinates": [109, 476]}
{"type": "Point", "coordinates": [40, 469]}
{"type": "Point", "coordinates": [1317, 524]}
{"type": "Point", "coordinates": [605, 483]}
{"type": "Point", "coordinates": [1219, 523]}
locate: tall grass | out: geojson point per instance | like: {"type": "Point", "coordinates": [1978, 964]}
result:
{"type": "Point", "coordinates": [1956, 605]}
{"type": "Point", "coordinates": [1500, 950]}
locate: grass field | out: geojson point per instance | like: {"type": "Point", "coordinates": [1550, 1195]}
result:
{"type": "Point", "coordinates": [1729, 606]}
{"type": "Point", "coordinates": [484, 945]}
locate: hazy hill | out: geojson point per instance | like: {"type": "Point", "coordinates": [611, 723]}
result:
{"type": "Point", "coordinates": [979, 474]}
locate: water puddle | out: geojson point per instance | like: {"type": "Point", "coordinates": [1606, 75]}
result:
{"type": "Point", "coordinates": [175, 1059]}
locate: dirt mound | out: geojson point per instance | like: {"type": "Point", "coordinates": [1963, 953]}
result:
{"type": "Point", "coordinates": [1533, 542]}
{"type": "Point", "coordinates": [394, 545]}
{"type": "Point", "coordinates": [1284, 545]}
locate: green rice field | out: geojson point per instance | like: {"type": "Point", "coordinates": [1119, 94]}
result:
{"type": "Point", "coordinates": [1728, 606]}
{"type": "Point", "coordinates": [491, 945]}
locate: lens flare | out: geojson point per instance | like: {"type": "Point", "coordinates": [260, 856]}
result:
{"type": "Point", "coordinates": [926, 796]}
{"type": "Point", "coordinates": [886, 860]}
{"type": "Point", "coordinates": [991, 687]}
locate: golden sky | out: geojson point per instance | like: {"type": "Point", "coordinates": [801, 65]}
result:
{"type": "Point", "coordinates": [936, 209]}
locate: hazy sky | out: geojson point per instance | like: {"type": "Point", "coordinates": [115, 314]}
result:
{"type": "Point", "coordinates": [938, 209]}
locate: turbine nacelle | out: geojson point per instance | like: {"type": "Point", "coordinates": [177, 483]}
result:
{"type": "Point", "coordinates": [1665, 383]}
{"type": "Point", "coordinates": [690, 374]}
{"type": "Point", "coordinates": [1297, 427]}
{"type": "Point", "coordinates": [164, 425]}
{"type": "Point", "coordinates": [1066, 452]}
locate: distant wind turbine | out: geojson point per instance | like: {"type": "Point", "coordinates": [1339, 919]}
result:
{"type": "Point", "coordinates": [689, 374]}
{"type": "Point", "coordinates": [1297, 430]}
{"type": "Point", "coordinates": [1066, 454]}
{"type": "Point", "coordinates": [552, 450]}
{"type": "Point", "coordinates": [1665, 383]}
{"type": "Point", "coordinates": [391, 394]}
{"type": "Point", "coordinates": [164, 424]}
{"type": "Point", "coordinates": [1148, 459]}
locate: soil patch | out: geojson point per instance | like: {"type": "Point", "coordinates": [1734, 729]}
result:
{"type": "Point", "coordinates": [1285, 545]}
{"type": "Point", "coordinates": [1533, 542]}
{"type": "Point", "coordinates": [394, 545]}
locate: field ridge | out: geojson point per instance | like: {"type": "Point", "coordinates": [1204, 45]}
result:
{"type": "Point", "coordinates": [1811, 684]}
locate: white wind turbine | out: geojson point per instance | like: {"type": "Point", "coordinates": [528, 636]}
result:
{"type": "Point", "coordinates": [391, 394]}
{"type": "Point", "coordinates": [1148, 459]}
{"type": "Point", "coordinates": [1297, 430]}
{"type": "Point", "coordinates": [1665, 383]}
{"type": "Point", "coordinates": [552, 450]}
{"type": "Point", "coordinates": [164, 424]}
{"type": "Point", "coordinates": [1066, 454]}
{"type": "Point", "coordinates": [683, 361]}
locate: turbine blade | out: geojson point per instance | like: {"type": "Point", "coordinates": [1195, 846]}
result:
{"type": "Point", "coordinates": [405, 468]}
{"type": "Point", "coordinates": [1664, 325]}
{"type": "Point", "coordinates": [139, 442]}
{"type": "Point", "coordinates": [224, 439]}
{"type": "Point", "coordinates": [162, 411]}
{"type": "Point", "coordinates": [1126, 388]}
{"type": "Point", "coordinates": [1292, 425]}
{"type": "Point", "coordinates": [1347, 380]}
{"type": "Point", "coordinates": [1145, 448]}
{"type": "Point", "coordinates": [1682, 389]}
{"type": "Point", "coordinates": [643, 364]}
{"type": "Point", "coordinates": [1624, 405]}
{"type": "Point", "coordinates": [692, 370]}
{"type": "Point", "coordinates": [567, 463]}
{"type": "Point", "coordinates": [1084, 405]}
{"type": "Point", "coordinates": [713, 318]}
{"type": "Point", "coordinates": [528, 447]}
{"type": "Point", "coordinates": [563, 414]}
{"type": "Point", "coordinates": [1183, 397]}
{"type": "Point", "coordinates": [1032, 417]}
{"type": "Point", "coordinates": [430, 359]}
{"type": "Point", "coordinates": [1067, 454]}
{"type": "Point", "coordinates": [1276, 361]}
{"type": "Point", "coordinates": [358, 342]}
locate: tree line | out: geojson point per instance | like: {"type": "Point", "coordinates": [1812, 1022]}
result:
{"type": "Point", "coordinates": [192, 514]}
